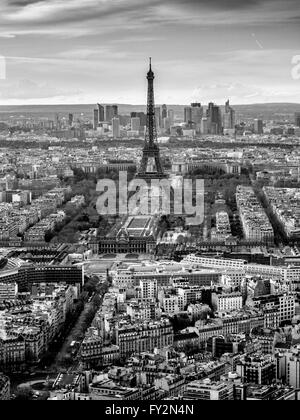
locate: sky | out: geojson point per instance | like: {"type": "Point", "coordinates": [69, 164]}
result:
{"type": "Point", "coordinates": [89, 51]}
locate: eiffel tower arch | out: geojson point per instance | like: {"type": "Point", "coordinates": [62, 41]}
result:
{"type": "Point", "coordinates": [151, 165]}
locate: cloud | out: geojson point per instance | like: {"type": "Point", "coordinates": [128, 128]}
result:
{"type": "Point", "coordinates": [7, 35]}
{"type": "Point", "coordinates": [71, 11]}
{"type": "Point", "coordinates": [217, 4]}
{"type": "Point", "coordinates": [25, 89]}
{"type": "Point", "coordinates": [46, 12]}
{"type": "Point", "coordinates": [240, 93]}
{"type": "Point", "coordinates": [102, 46]}
{"type": "Point", "coordinates": [24, 3]}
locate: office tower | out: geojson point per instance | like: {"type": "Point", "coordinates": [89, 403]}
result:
{"type": "Point", "coordinates": [116, 128]}
{"type": "Point", "coordinates": [297, 119]}
{"type": "Point", "coordinates": [197, 113]}
{"type": "Point", "coordinates": [135, 124]}
{"type": "Point", "coordinates": [188, 115]}
{"type": "Point", "coordinates": [151, 150]}
{"type": "Point", "coordinates": [227, 107]}
{"type": "Point", "coordinates": [142, 116]}
{"type": "Point", "coordinates": [214, 119]}
{"type": "Point", "coordinates": [164, 112]}
{"type": "Point", "coordinates": [143, 119]}
{"type": "Point", "coordinates": [57, 122]}
{"type": "Point", "coordinates": [171, 116]}
{"type": "Point", "coordinates": [115, 110]}
{"type": "Point", "coordinates": [166, 124]}
{"type": "Point", "coordinates": [71, 120]}
{"type": "Point", "coordinates": [111, 111]}
{"type": "Point", "coordinates": [258, 126]}
{"type": "Point", "coordinates": [229, 120]}
{"type": "Point", "coordinates": [96, 119]}
{"type": "Point", "coordinates": [158, 117]}
{"type": "Point", "coordinates": [101, 115]}
{"type": "Point", "coordinates": [204, 126]}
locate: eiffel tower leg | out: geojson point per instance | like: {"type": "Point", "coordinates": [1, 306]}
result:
{"type": "Point", "coordinates": [144, 164]}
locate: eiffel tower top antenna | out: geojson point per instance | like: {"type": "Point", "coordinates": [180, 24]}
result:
{"type": "Point", "coordinates": [151, 136]}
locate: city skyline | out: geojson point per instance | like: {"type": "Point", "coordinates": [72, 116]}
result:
{"type": "Point", "coordinates": [202, 51]}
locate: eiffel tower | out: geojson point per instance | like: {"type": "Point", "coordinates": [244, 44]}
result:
{"type": "Point", "coordinates": [151, 166]}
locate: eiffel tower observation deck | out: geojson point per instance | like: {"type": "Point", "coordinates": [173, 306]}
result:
{"type": "Point", "coordinates": [151, 165]}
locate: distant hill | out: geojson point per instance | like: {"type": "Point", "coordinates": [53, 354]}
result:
{"type": "Point", "coordinates": [266, 111]}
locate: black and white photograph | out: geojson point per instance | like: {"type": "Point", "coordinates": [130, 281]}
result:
{"type": "Point", "coordinates": [149, 203]}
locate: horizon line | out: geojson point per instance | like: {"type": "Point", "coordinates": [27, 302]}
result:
{"type": "Point", "coordinates": [145, 105]}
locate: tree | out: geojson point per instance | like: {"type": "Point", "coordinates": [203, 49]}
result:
{"type": "Point", "coordinates": [24, 393]}
{"type": "Point", "coordinates": [79, 174]}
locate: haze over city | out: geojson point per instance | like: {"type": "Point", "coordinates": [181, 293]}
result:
{"type": "Point", "coordinates": [82, 52]}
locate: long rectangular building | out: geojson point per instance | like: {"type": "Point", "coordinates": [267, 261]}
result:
{"type": "Point", "coordinates": [256, 224]}
{"type": "Point", "coordinates": [138, 338]}
{"type": "Point", "coordinates": [29, 274]}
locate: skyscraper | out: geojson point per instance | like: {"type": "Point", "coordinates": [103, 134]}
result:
{"type": "Point", "coordinates": [116, 128]}
{"type": "Point", "coordinates": [71, 120]}
{"type": "Point", "coordinates": [164, 112]}
{"type": "Point", "coordinates": [297, 119]}
{"type": "Point", "coordinates": [135, 124]}
{"type": "Point", "coordinates": [96, 119]}
{"type": "Point", "coordinates": [214, 119]}
{"type": "Point", "coordinates": [142, 116]}
{"type": "Point", "coordinates": [101, 113]}
{"type": "Point", "coordinates": [111, 111]}
{"type": "Point", "coordinates": [143, 119]}
{"type": "Point", "coordinates": [188, 115]}
{"type": "Point", "coordinates": [166, 124]}
{"type": "Point", "coordinates": [197, 113]}
{"type": "Point", "coordinates": [258, 126]}
{"type": "Point", "coordinates": [229, 120]}
{"type": "Point", "coordinates": [204, 126]}
{"type": "Point", "coordinates": [171, 116]}
{"type": "Point", "coordinates": [158, 117]}
{"type": "Point", "coordinates": [57, 122]}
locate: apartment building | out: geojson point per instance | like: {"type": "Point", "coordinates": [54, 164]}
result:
{"type": "Point", "coordinates": [136, 338]}
{"type": "Point", "coordinates": [256, 224]}
{"type": "Point", "coordinates": [227, 301]}
{"type": "Point", "coordinates": [283, 303]}
{"type": "Point", "coordinates": [257, 369]}
{"type": "Point", "coordinates": [288, 366]}
{"type": "Point", "coordinates": [207, 390]}
{"type": "Point", "coordinates": [8, 291]}
{"type": "Point", "coordinates": [284, 203]}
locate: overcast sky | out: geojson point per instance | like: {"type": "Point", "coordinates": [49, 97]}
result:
{"type": "Point", "coordinates": [88, 51]}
